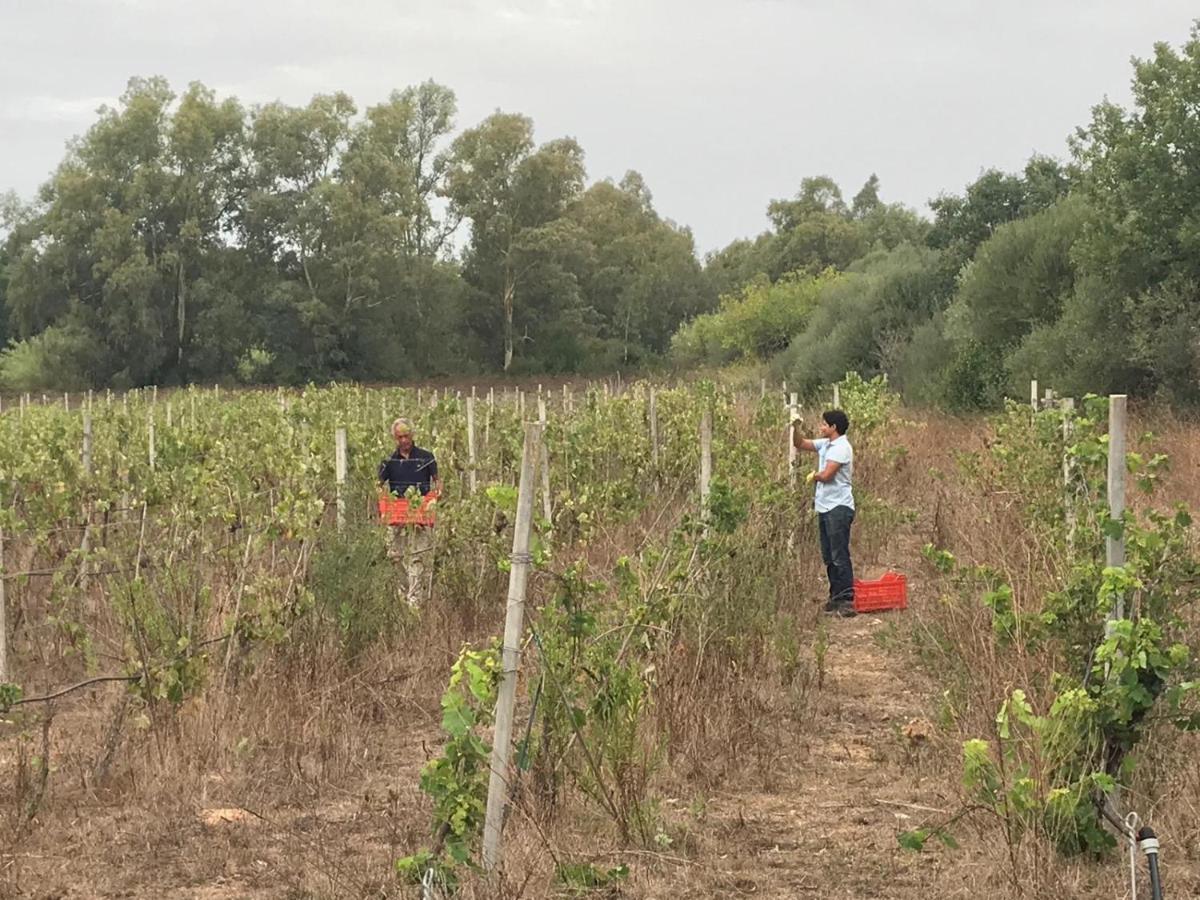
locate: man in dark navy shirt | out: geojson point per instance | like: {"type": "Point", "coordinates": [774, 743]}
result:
{"type": "Point", "coordinates": [410, 470]}
{"type": "Point", "coordinates": [410, 466]}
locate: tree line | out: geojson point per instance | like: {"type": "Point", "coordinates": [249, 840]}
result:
{"type": "Point", "coordinates": [191, 239]}
{"type": "Point", "coordinates": [1083, 273]}
{"type": "Point", "coordinates": [188, 239]}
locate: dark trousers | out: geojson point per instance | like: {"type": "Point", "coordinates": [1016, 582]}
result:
{"type": "Point", "coordinates": [834, 527]}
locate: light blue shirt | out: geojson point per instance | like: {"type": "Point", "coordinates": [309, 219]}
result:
{"type": "Point", "coordinates": [837, 492]}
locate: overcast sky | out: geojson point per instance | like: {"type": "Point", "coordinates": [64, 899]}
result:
{"type": "Point", "coordinates": [721, 104]}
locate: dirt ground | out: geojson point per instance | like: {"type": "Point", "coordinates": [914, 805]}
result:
{"type": "Point", "coordinates": [816, 815]}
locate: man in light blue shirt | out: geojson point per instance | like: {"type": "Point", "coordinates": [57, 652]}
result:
{"type": "Point", "coordinates": [834, 503]}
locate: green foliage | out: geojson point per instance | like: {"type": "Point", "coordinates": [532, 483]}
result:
{"type": "Point", "coordinates": [638, 273]}
{"type": "Point", "coordinates": [354, 582]}
{"type": "Point", "coordinates": [813, 232]}
{"type": "Point", "coordinates": [10, 693]}
{"type": "Point", "coordinates": [755, 323]}
{"type": "Point", "coordinates": [727, 507]}
{"type": "Point", "coordinates": [963, 223]}
{"type": "Point", "coordinates": [918, 837]}
{"type": "Point", "coordinates": [1018, 278]}
{"type": "Point", "coordinates": [185, 238]}
{"type": "Point", "coordinates": [55, 359]}
{"type": "Point", "coordinates": [595, 696]}
{"type": "Point", "coordinates": [457, 780]}
{"type": "Point", "coordinates": [1116, 635]}
{"type": "Point", "coordinates": [255, 366]}
{"type": "Point", "coordinates": [869, 404]}
{"type": "Point", "coordinates": [863, 319]}
{"type": "Point", "coordinates": [581, 878]}
{"type": "Point", "coordinates": [1095, 292]}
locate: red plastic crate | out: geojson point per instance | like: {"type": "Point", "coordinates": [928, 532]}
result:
{"type": "Point", "coordinates": [398, 511]}
{"type": "Point", "coordinates": [888, 592]}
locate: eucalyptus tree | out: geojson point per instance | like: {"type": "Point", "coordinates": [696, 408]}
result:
{"type": "Point", "coordinates": [514, 194]}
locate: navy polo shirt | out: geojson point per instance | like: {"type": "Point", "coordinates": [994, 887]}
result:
{"type": "Point", "coordinates": [418, 471]}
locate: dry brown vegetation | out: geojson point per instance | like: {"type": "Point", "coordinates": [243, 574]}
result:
{"type": "Point", "coordinates": [788, 773]}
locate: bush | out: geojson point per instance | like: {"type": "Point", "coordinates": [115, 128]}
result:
{"type": "Point", "coordinates": [864, 319]}
{"type": "Point", "coordinates": [355, 583]}
{"type": "Point", "coordinates": [758, 321]}
{"type": "Point", "coordinates": [59, 358]}
{"type": "Point", "coordinates": [1020, 276]}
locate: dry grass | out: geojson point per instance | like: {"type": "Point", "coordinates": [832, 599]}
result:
{"type": "Point", "coordinates": [786, 775]}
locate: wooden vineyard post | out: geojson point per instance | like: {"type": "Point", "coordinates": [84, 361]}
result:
{"type": "Point", "coordinates": [544, 464]}
{"type": "Point", "coordinates": [1114, 547]}
{"type": "Point", "coordinates": [153, 458]}
{"type": "Point", "coordinates": [1033, 394]}
{"type": "Point", "coordinates": [339, 464]}
{"type": "Point", "coordinates": [487, 420]}
{"type": "Point", "coordinates": [837, 396]}
{"type": "Point", "coordinates": [705, 461]}
{"type": "Point", "coordinates": [87, 444]}
{"type": "Point", "coordinates": [1068, 469]}
{"type": "Point", "coordinates": [514, 626]}
{"type": "Point", "coordinates": [86, 541]}
{"type": "Point", "coordinates": [3, 615]}
{"type": "Point", "coordinates": [471, 460]}
{"type": "Point", "coordinates": [652, 412]}
{"type": "Point", "coordinates": [793, 454]}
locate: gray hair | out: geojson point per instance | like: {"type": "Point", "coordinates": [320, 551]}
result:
{"type": "Point", "coordinates": [404, 425]}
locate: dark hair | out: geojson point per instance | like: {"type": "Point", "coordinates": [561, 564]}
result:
{"type": "Point", "coordinates": [837, 419]}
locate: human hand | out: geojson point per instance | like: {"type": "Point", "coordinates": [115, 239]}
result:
{"type": "Point", "coordinates": [810, 477]}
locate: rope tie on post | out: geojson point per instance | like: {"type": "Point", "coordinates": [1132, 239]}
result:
{"type": "Point", "coordinates": [1131, 829]}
